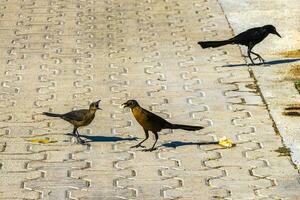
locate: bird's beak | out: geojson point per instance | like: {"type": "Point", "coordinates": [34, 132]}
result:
{"type": "Point", "coordinates": [276, 33]}
{"type": "Point", "coordinates": [125, 105]}
{"type": "Point", "coordinates": [98, 105]}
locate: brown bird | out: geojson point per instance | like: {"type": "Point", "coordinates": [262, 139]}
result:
{"type": "Point", "coordinates": [151, 122]}
{"type": "Point", "coordinates": [78, 118]}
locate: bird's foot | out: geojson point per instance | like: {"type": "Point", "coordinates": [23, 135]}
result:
{"type": "Point", "coordinates": [151, 149]}
{"type": "Point", "coordinates": [260, 59]}
{"type": "Point", "coordinates": [81, 141]}
{"type": "Point", "coordinates": [138, 145]}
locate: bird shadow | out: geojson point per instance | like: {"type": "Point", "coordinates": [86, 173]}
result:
{"type": "Point", "coordinates": [267, 63]}
{"type": "Point", "coordinates": [175, 144]}
{"type": "Point", "coordinates": [105, 138]}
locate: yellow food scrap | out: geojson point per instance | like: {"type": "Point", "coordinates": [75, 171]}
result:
{"type": "Point", "coordinates": [42, 140]}
{"type": "Point", "coordinates": [224, 142]}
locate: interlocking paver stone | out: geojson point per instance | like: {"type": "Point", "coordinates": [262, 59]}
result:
{"type": "Point", "coordinates": [60, 55]}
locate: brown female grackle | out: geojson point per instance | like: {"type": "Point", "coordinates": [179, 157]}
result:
{"type": "Point", "coordinates": [78, 118]}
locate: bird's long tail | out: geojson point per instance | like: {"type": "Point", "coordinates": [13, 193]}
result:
{"type": "Point", "coordinates": [51, 114]}
{"type": "Point", "coordinates": [214, 44]}
{"type": "Point", "coordinates": [185, 127]}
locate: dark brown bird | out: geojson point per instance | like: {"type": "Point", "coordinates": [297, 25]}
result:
{"type": "Point", "coordinates": [151, 122]}
{"type": "Point", "coordinates": [78, 118]}
{"type": "Point", "coordinates": [249, 38]}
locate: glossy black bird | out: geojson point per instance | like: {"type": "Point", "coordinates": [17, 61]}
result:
{"type": "Point", "coordinates": [151, 122]}
{"type": "Point", "coordinates": [249, 38]}
{"type": "Point", "coordinates": [78, 118]}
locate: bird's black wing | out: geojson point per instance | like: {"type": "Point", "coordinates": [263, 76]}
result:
{"type": "Point", "coordinates": [76, 115]}
{"type": "Point", "coordinates": [253, 35]}
{"type": "Point", "coordinates": [151, 117]}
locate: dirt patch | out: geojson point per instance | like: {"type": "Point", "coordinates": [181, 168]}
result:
{"type": "Point", "coordinates": [252, 87]}
{"type": "Point", "coordinates": [295, 71]}
{"type": "Point", "coordinates": [292, 110]}
{"type": "Point", "coordinates": [292, 73]}
{"type": "Point", "coordinates": [293, 107]}
{"type": "Point", "coordinates": [283, 151]}
{"type": "Point", "coordinates": [291, 113]}
{"type": "Point", "coordinates": [290, 54]}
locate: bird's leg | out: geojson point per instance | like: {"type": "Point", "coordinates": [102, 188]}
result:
{"type": "Point", "coordinates": [76, 133]}
{"type": "Point", "coordinates": [152, 148]}
{"type": "Point", "coordinates": [258, 57]}
{"type": "Point", "coordinates": [140, 144]}
{"type": "Point", "coordinates": [249, 55]}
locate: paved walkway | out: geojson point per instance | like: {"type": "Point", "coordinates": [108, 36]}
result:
{"type": "Point", "coordinates": [276, 82]}
{"type": "Point", "coordinates": [60, 55]}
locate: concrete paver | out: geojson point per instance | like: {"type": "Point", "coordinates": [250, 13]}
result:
{"type": "Point", "coordinates": [59, 55]}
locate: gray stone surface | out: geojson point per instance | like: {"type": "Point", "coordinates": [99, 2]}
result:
{"type": "Point", "coordinates": [60, 55]}
{"type": "Point", "coordinates": [276, 81]}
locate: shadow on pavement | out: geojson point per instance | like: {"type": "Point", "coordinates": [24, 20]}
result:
{"type": "Point", "coordinates": [272, 62]}
{"type": "Point", "coordinates": [105, 138]}
{"type": "Point", "coordinates": [175, 144]}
